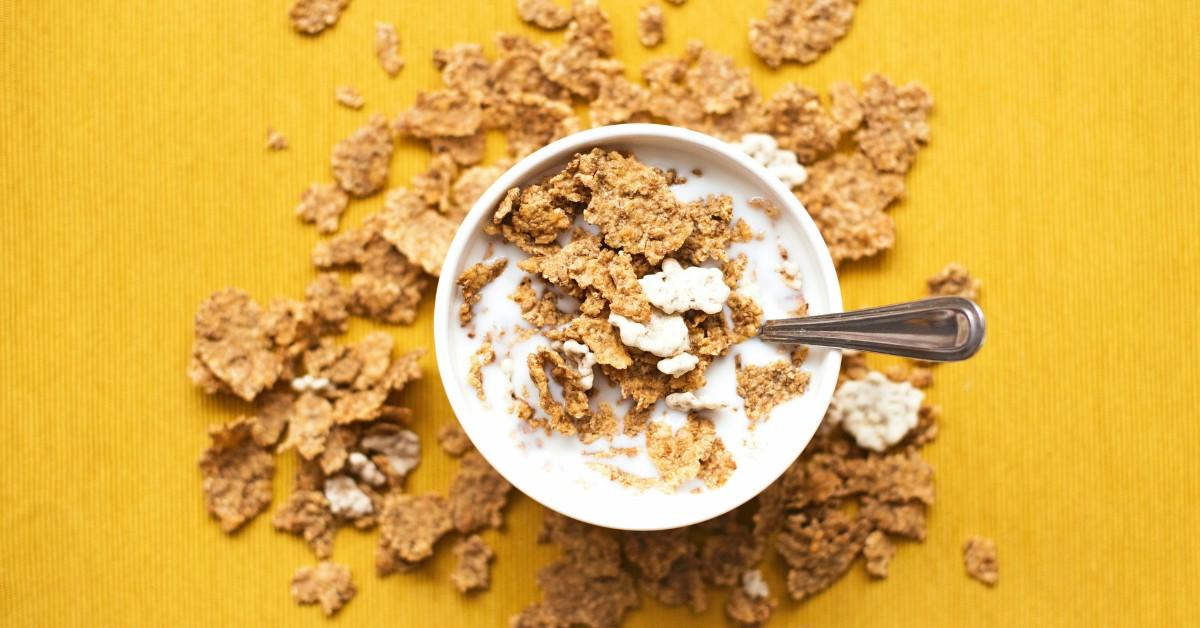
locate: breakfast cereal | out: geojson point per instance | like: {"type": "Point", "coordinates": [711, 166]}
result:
{"type": "Point", "coordinates": [473, 571]}
{"type": "Point", "coordinates": [800, 30]}
{"type": "Point", "coordinates": [310, 17]}
{"type": "Point", "coordinates": [979, 555]}
{"type": "Point", "coordinates": [327, 584]}
{"type": "Point", "coordinates": [387, 48]}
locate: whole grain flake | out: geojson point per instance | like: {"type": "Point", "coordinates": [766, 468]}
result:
{"type": "Point", "coordinates": [327, 584]}
{"type": "Point", "coordinates": [348, 97]}
{"type": "Point", "coordinates": [472, 281]}
{"type": "Point", "coordinates": [764, 387]}
{"type": "Point", "coordinates": [473, 571]}
{"type": "Point", "coordinates": [323, 204]}
{"type": "Point", "coordinates": [546, 14]}
{"type": "Point", "coordinates": [979, 556]}
{"type": "Point", "coordinates": [650, 25]}
{"type": "Point", "coordinates": [360, 162]}
{"type": "Point", "coordinates": [408, 528]}
{"type": "Point", "coordinates": [800, 30]}
{"type": "Point", "coordinates": [237, 475]}
{"type": "Point", "coordinates": [953, 280]}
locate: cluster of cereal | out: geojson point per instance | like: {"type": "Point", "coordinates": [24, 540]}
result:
{"type": "Point", "coordinates": [335, 404]}
{"type": "Point", "coordinates": [650, 324]}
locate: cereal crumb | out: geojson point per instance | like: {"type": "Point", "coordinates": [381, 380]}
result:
{"type": "Point", "coordinates": [764, 387]}
{"type": "Point", "coordinates": [453, 440]}
{"type": "Point", "coordinates": [878, 551]}
{"type": "Point", "coordinates": [799, 30]}
{"type": "Point", "coordinates": [237, 474]}
{"type": "Point", "coordinates": [979, 555]}
{"type": "Point", "coordinates": [409, 525]}
{"type": "Point", "coordinates": [954, 280]}
{"type": "Point", "coordinates": [387, 48]}
{"type": "Point", "coordinates": [313, 16]}
{"type": "Point", "coordinates": [328, 584]}
{"type": "Point", "coordinates": [650, 25]}
{"type": "Point", "coordinates": [360, 162]}
{"type": "Point", "coordinates": [323, 204]}
{"type": "Point", "coordinates": [276, 140]}
{"type": "Point", "coordinates": [473, 571]}
{"type": "Point", "coordinates": [472, 281]}
{"type": "Point", "coordinates": [545, 14]}
{"type": "Point", "coordinates": [349, 97]}
{"type": "Point", "coordinates": [477, 495]}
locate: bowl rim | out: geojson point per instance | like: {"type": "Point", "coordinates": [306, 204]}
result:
{"type": "Point", "coordinates": [516, 175]}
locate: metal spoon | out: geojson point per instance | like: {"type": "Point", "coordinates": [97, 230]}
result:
{"type": "Point", "coordinates": [941, 329]}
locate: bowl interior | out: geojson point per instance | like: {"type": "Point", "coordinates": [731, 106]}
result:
{"type": "Point", "coordinates": [552, 469]}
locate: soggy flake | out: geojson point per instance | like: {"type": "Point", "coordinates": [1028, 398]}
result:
{"type": "Point", "coordinates": [694, 451]}
{"type": "Point", "coordinates": [633, 206]}
{"type": "Point", "coordinates": [795, 117]}
{"type": "Point", "coordinates": [322, 204]}
{"type": "Point", "coordinates": [800, 30]}
{"type": "Point", "coordinates": [360, 162]}
{"type": "Point", "coordinates": [546, 14]}
{"type": "Point", "coordinates": [540, 311]}
{"type": "Point", "coordinates": [650, 25]}
{"type": "Point", "coordinates": [313, 16]}
{"type": "Point", "coordinates": [387, 48]}
{"type": "Point", "coordinates": [895, 123]}
{"type": "Point", "coordinates": [472, 281]}
{"type": "Point", "coordinates": [601, 339]}
{"type": "Point", "coordinates": [482, 357]}
{"type": "Point", "coordinates": [478, 495]}
{"type": "Point", "coordinates": [422, 234]}
{"type": "Point", "coordinates": [328, 584]}
{"type": "Point", "coordinates": [710, 235]}
{"type": "Point", "coordinates": [237, 474]}
{"type": "Point", "coordinates": [764, 387]}
{"type": "Point", "coordinates": [847, 197]}
{"type": "Point", "coordinates": [409, 525]}
{"type": "Point", "coordinates": [953, 280]}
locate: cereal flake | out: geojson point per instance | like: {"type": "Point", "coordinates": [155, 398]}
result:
{"type": "Point", "coordinates": [327, 584]}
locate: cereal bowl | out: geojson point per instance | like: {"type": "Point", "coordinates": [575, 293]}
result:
{"type": "Point", "coordinates": [561, 472]}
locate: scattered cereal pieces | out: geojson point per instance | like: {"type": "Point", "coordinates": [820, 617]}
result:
{"type": "Point", "coordinates": [422, 234]}
{"type": "Point", "coordinates": [682, 585]}
{"type": "Point", "coordinates": [349, 97]}
{"type": "Point", "coordinates": [979, 555]}
{"type": "Point", "coordinates": [482, 357]}
{"type": "Point", "coordinates": [387, 48]}
{"type": "Point", "coordinates": [619, 100]}
{"type": "Point", "coordinates": [276, 140]}
{"type": "Point", "coordinates": [764, 387]}
{"type": "Point", "coordinates": [750, 604]}
{"type": "Point", "coordinates": [309, 423]}
{"type": "Point", "coordinates": [472, 281]}
{"type": "Point", "coordinates": [794, 116]}
{"type": "Point", "coordinates": [323, 204]}
{"type": "Point", "coordinates": [310, 17]}
{"type": "Point", "coordinates": [446, 113]}
{"type": "Point", "coordinates": [237, 475]}
{"type": "Point", "coordinates": [531, 121]}
{"type": "Point", "coordinates": [650, 25]}
{"type": "Point", "coordinates": [408, 528]}
{"type": "Point", "coordinates": [954, 280]}
{"type": "Point", "coordinates": [271, 417]}
{"type": "Point", "coordinates": [876, 411]}
{"type": "Point", "coordinates": [453, 440]}
{"type": "Point", "coordinates": [847, 197]}
{"type": "Point", "coordinates": [704, 91]}
{"type": "Point", "coordinates": [541, 311]}
{"type": "Point", "coordinates": [473, 572]}
{"type": "Point", "coordinates": [328, 584]}
{"type": "Point", "coordinates": [545, 14]}
{"type": "Point", "coordinates": [845, 107]}
{"type": "Point", "coordinates": [360, 162]}
{"type": "Point", "coordinates": [878, 551]}
{"type": "Point", "coordinates": [727, 554]}
{"type": "Point", "coordinates": [894, 123]}
{"type": "Point", "coordinates": [799, 30]}
{"type": "Point", "coordinates": [477, 495]}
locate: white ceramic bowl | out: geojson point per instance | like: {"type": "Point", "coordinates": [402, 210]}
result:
{"type": "Point", "coordinates": [538, 465]}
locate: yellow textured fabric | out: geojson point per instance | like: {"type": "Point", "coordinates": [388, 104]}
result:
{"type": "Point", "coordinates": [1063, 171]}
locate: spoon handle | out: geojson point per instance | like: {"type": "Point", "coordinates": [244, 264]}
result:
{"type": "Point", "coordinates": [941, 329]}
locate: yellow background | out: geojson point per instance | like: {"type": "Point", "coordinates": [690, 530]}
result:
{"type": "Point", "coordinates": [1063, 171]}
